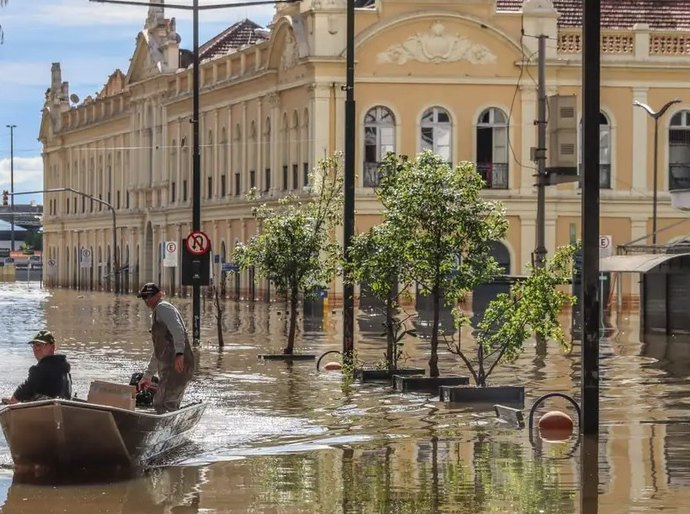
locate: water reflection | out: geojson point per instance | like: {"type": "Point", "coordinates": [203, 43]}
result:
{"type": "Point", "coordinates": [160, 491]}
{"type": "Point", "coordinates": [285, 438]}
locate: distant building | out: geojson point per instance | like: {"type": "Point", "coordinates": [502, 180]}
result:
{"type": "Point", "coordinates": [457, 77]}
{"type": "Point", "coordinates": [6, 237]}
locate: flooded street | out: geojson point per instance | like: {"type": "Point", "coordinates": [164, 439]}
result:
{"type": "Point", "coordinates": [284, 438]}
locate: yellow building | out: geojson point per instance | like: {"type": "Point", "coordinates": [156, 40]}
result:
{"type": "Point", "coordinates": [456, 76]}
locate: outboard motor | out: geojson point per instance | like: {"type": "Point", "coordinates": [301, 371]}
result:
{"type": "Point", "coordinates": [144, 397]}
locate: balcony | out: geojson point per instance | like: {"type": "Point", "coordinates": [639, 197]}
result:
{"type": "Point", "coordinates": [679, 185]}
{"type": "Point", "coordinates": [495, 174]}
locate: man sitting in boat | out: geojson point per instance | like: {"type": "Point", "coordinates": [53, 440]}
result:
{"type": "Point", "coordinates": [172, 354]}
{"type": "Point", "coordinates": [50, 378]}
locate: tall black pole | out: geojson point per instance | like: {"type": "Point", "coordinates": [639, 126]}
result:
{"type": "Point", "coordinates": [654, 194]}
{"type": "Point", "coordinates": [196, 172]}
{"type": "Point", "coordinates": [12, 127]}
{"type": "Point", "coordinates": [349, 200]}
{"type": "Point", "coordinates": [590, 217]}
{"type": "Point", "coordinates": [591, 80]}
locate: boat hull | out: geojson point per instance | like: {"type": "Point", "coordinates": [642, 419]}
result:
{"type": "Point", "coordinates": [65, 434]}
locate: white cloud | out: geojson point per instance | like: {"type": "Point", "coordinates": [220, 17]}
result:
{"type": "Point", "coordinates": [28, 174]}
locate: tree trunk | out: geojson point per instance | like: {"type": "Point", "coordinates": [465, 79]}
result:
{"type": "Point", "coordinates": [390, 336]}
{"type": "Point", "coordinates": [433, 360]}
{"type": "Point", "coordinates": [481, 373]}
{"type": "Point", "coordinates": [219, 317]}
{"type": "Point", "coordinates": [293, 321]}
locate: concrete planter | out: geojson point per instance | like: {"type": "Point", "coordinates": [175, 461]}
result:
{"type": "Point", "coordinates": [512, 395]}
{"type": "Point", "coordinates": [376, 374]}
{"type": "Point", "coordinates": [287, 357]}
{"type": "Point", "coordinates": [426, 384]}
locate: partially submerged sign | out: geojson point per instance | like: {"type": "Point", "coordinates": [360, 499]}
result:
{"type": "Point", "coordinates": [112, 394]}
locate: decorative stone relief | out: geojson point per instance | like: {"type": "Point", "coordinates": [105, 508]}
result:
{"type": "Point", "coordinates": [437, 46]}
{"type": "Point", "coordinates": [290, 53]}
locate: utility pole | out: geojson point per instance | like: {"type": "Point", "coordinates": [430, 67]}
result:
{"type": "Point", "coordinates": [12, 127]}
{"type": "Point", "coordinates": [591, 83]}
{"type": "Point", "coordinates": [540, 156]}
{"type": "Point", "coordinates": [349, 183]}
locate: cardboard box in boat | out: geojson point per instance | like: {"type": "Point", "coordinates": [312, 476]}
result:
{"type": "Point", "coordinates": [112, 394]}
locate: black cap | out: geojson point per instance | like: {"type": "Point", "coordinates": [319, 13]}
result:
{"type": "Point", "coordinates": [148, 290]}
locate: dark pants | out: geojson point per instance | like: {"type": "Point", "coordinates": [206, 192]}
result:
{"type": "Point", "coordinates": [170, 389]}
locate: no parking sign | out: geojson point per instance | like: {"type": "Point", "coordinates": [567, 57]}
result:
{"type": "Point", "coordinates": [169, 254]}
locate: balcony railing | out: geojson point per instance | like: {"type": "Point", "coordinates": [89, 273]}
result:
{"type": "Point", "coordinates": [679, 176]}
{"type": "Point", "coordinates": [495, 174]}
{"type": "Point", "coordinates": [629, 43]}
{"type": "Point", "coordinates": [371, 174]}
{"type": "Point", "coordinates": [604, 176]}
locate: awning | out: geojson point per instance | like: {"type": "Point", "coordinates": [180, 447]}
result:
{"type": "Point", "coordinates": [636, 263]}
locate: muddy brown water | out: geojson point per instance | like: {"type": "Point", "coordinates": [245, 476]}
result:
{"type": "Point", "coordinates": [284, 438]}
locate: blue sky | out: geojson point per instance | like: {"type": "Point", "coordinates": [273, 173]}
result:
{"type": "Point", "coordinates": [90, 40]}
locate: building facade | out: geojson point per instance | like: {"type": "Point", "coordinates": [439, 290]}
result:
{"type": "Point", "coordinates": [457, 77]}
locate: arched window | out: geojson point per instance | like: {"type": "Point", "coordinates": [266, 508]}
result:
{"type": "Point", "coordinates": [224, 151]}
{"type": "Point", "coordinates": [237, 159]}
{"type": "Point", "coordinates": [306, 144]}
{"type": "Point", "coordinates": [267, 155]}
{"type": "Point", "coordinates": [437, 132]}
{"type": "Point", "coordinates": [492, 148]}
{"type": "Point", "coordinates": [679, 151]}
{"type": "Point", "coordinates": [252, 154]}
{"type": "Point", "coordinates": [379, 139]}
{"type": "Point", "coordinates": [173, 171]}
{"type": "Point", "coordinates": [604, 152]}
{"type": "Point", "coordinates": [209, 164]}
{"type": "Point", "coordinates": [285, 133]}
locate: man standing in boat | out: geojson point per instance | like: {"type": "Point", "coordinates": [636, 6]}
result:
{"type": "Point", "coordinates": [50, 378]}
{"type": "Point", "coordinates": [172, 355]}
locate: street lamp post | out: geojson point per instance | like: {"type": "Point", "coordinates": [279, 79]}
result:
{"type": "Point", "coordinates": [349, 182]}
{"type": "Point", "coordinates": [12, 127]}
{"type": "Point", "coordinates": [656, 115]}
{"type": "Point", "coordinates": [196, 158]}
{"type": "Point", "coordinates": [115, 272]}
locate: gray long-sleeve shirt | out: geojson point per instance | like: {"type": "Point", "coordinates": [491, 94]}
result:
{"type": "Point", "coordinates": [164, 312]}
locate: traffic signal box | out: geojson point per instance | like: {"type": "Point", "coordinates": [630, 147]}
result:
{"type": "Point", "coordinates": [5, 196]}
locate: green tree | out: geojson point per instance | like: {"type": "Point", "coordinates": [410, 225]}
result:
{"type": "Point", "coordinates": [295, 249]}
{"type": "Point", "coordinates": [441, 227]}
{"type": "Point", "coordinates": [532, 306]}
{"type": "Point", "coordinates": [374, 259]}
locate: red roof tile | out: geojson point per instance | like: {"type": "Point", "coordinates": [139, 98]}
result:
{"type": "Point", "coordinates": [619, 14]}
{"type": "Point", "coordinates": [242, 33]}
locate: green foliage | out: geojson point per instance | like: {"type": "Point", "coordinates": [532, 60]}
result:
{"type": "Point", "coordinates": [436, 231]}
{"type": "Point", "coordinates": [295, 249]}
{"type": "Point", "coordinates": [375, 260]}
{"type": "Point", "coordinates": [531, 307]}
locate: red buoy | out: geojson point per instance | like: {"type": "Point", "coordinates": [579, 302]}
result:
{"type": "Point", "coordinates": [332, 366]}
{"type": "Point", "coordinates": [555, 426]}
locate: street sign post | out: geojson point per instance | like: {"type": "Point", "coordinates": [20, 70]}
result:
{"type": "Point", "coordinates": [86, 258]}
{"type": "Point", "coordinates": [169, 254]}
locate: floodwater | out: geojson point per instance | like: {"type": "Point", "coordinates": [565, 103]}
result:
{"type": "Point", "coordinates": [284, 438]}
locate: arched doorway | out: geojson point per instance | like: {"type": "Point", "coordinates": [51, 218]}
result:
{"type": "Point", "coordinates": [75, 268]}
{"type": "Point", "coordinates": [147, 264]}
